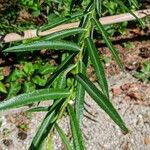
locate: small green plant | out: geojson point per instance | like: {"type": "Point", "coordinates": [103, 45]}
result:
{"type": "Point", "coordinates": [26, 78]}
{"type": "Point", "coordinates": [144, 73]}
{"type": "Point", "coordinates": [68, 82]}
{"type": "Point", "coordinates": [30, 4]}
{"type": "Point", "coordinates": [23, 127]}
{"type": "Point", "coordinates": [128, 45]}
{"type": "Point", "coordinates": [2, 86]}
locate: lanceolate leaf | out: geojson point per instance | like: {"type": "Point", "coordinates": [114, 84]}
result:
{"type": "Point", "coordinates": [62, 78]}
{"type": "Point", "coordinates": [64, 33]}
{"type": "Point", "coordinates": [108, 42]}
{"type": "Point", "coordinates": [60, 81]}
{"type": "Point", "coordinates": [59, 21]}
{"type": "Point", "coordinates": [99, 7]}
{"type": "Point", "coordinates": [63, 137]}
{"type": "Point", "coordinates": [38, 45]}
{"type": "Point", "coordinates": [47, 125]}
{"type": "Point", "coordinates": [76, 132]}
{"type": "Point", "coordinates": [80, 94]}
{"type": "Point", "coordinates": [36, 96]}
{"type": "Point", "coordinates": [59, 69]}
{"type": "Point", "coordinates": [101, 100]}
{"type": "Point", "coordinates": [44, 129]}
{"type": "Point", "coordinates": [98, 66]}
{"type": "Point", "coordinates": [38, 109]}
{"type": "Point", "coordinates": [128, 10]}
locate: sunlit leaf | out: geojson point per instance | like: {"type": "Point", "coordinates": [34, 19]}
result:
{"type": "Point", "coordinates": [108, 42]}
{"type": "Point", "coordinates": [59, 21]}
{"type": "Point", "coordinates": [46, 69]}
{"type": "Point", "coordinates": [63, 137]}
{"type": "Point", "coordinates": [36, 96]}
{"type": "Point", "coordinates": [99, 7]}
{"type": "Point", "coordinates": [38, 45]}
{"type": "Point", "coordinates": [76, 132]}
{"type": "Point", "coordinates": [14, 88]}
{"type": "Point", "coordinates": [39, 80]}
{"type": "Point", "coordinates": [130, 11]}
{"type": "Point", "coordinates": [59, 69]}
{"type": "Point", "coordinates": [28, 68]}
{"type": "Point", "coordinates": [28, 87]}
{"type": "Point", "coordinates": [98, 66]}
{"type": "Point", "coordinates": [38, 109]}
{"type": "Point", "coordinates": [80, 91]}
{"type": "Point", "coordinates": [2, 88]}
{"type": "Point", "coordinates": [64, 33]}
{"type": "Point", "coordinates": [101, 100]}
{"type": "Point", "coordinates": [46, 126]}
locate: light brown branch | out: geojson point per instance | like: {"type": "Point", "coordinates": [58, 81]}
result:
{"type": "Point", "coordinates": [105, 21]}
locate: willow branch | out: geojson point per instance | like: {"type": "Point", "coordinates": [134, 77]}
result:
{"type": "Point", "coordinates": [11, 37]}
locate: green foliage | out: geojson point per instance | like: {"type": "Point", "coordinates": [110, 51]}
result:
{"type": "Point", "coordinates": [30, 4]}
{"type": "Point", "coordinates": [67, 83]}
{"type": "Point", "coordinates": [2, 86]}
{"type": "Point", "coordinates": [76, 131]}
{"type": "Point", "coordinates": [15, 17]}
{"type": "Point", "coordinates": [101, 99]}
{"type": "Point", "coordinates": [128, 45]}
{"type": "Point", "coordinates": [63, 137]}
{"type": "Point", "coordinates": [27, 78]}
{"type": "Point", "coordinates": [38, 45]}
{"type": "Point", "coordinates": [144, 73]}
{"type": "Point", "coordinates": [98, 66]}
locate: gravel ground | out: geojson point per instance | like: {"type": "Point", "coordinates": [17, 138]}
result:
{"type": "Point", "coordinates": [99, 131]}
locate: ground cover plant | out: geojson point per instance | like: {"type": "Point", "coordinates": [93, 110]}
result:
{"type": "Point", "coordinates": [66, 84]}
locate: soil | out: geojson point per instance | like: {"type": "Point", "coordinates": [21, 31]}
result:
{"type": "Point", "coordinates": [130, 96]}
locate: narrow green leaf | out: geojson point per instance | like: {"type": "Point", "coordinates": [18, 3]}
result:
{"type": "Point", "coordinates": [80, 94]}
{"type": "Point", "coordinates": [59, 69]}
{"type": "Point", "coordinates": [63, 137]}
{"type": "Point", "coordinates": [38, 45]}
{"type": "Point", "coordinates": [135, 3]}
{"type": "Point", "coordinates": [75, 128]}
{"type": "Point", "coordinates": [108, 42]}
{"type": "Point", "coordinates": [59, 21]}
{"type": "Point", "coordinates": [47, 143]}
{"type": "Point", "coordinates": [36, 96]}
{"type": "Point", "coordinates": [46, 126]}
{"type": "Point", "coordinates": [64, 33]}
{"type": "Point", "coordinates": [101, 100]}
{"type": "Point", "coordinates": [99, 7]}
{"type": "Point", "coordinates": [98, 66]}
{"type": "Point", "coordinates": [61, 81]}
{"type": "Point", "coordinates": [2, 88]}
{"type": "Point", "coordinates": [38, 109]}
{"type": "Point", "coordinates": [128, 10]}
